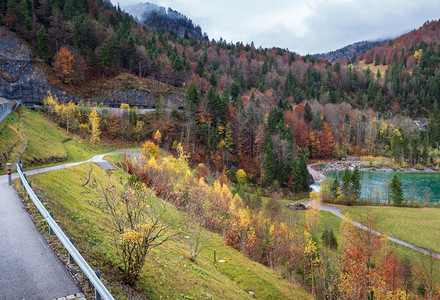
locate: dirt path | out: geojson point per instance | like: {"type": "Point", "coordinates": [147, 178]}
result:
{"type": "Point", "coordinates": [337, 212]}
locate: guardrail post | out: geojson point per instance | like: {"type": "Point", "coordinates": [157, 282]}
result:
{"type": "Point", "coordinates": [50, 228]}
{"type": "Point", "coordinates": [71, 260]}
{"type": "Point", "coordinates": [9, 174]}
{"type": "Point", "coordinates": [215, 256]}
{"type": "Point", "coordinates": [97, 295]}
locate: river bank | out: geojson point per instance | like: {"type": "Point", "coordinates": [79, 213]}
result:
{"type": "Point", "coordinates": [342, 165]}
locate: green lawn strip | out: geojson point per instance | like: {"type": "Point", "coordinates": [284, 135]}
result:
{"type": "Point", "coordinates": [48, 144]}
{"type": "Point", "coordinates": [8, 135]}
{"type": "Point", "coordinates": [12, 140]}
{"type": "Point", "coordinates": [417, 226]}
{"type": "Point", "coordinates": [420, 263]}
{"type": "Point", "coordinates": [115, 158]}
{"type": "Point", "coordinates": [168, 270]}
{"type": "Point", "coordinates": [45, 139]}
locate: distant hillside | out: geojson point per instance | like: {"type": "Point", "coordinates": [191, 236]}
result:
{"type": "Point", "coordinates": [424, 38]}
{"type": "Point", "coordinates": [160, 19]}
{"type": "Point", "coordinates": [349, 51]}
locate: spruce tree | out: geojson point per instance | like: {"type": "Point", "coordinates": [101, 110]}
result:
{"type": "Point", "coordinates": [296, 176]}
{"type": "Point", "coordinates": [334, 186]}
{"type": "Point", "coordinates": [425, 155]}
{"type": "Point", "coordinates": [329, 238]}
{"type": "Point", "coordinates": [356, 183]}
{"type": "Point", "coordinates": [43, 43]}
{"type": "Point", "coordinates": [192, 95]}
{"type": "Point", "coordinates": [105, 59]}
{"type": "Point", "coordinates": [396, 190]}
{"type": "Point", "coordinates": [308, 114]}
{"type": "Point", "coordinates": [305, 176]}
{"type": "Point", "coordinates": [346, 183]}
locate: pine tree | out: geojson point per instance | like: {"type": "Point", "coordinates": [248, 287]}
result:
{"type": "Point", "coordinates": [396, 190]}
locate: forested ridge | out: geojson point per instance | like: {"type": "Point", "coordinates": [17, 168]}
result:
{"type": "Point", "coordinates": [349, 51]}
{"type": "Point", "coordinates": [261, 110]}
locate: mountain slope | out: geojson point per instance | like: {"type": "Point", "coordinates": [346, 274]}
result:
{"type": "Point", "coordinates": [349, 51]}
{"type": "Point", "coordinates": [160, 19]}
{"type": "Point", "coordinates": [421, 38]}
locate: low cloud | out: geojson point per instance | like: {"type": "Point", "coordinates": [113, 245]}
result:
{"type": "Point", "coordinates": [312, 26]}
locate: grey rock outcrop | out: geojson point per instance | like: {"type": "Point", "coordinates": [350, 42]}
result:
{"type": "Point", "coordinates": [297, 206]}
{"type": "Point", "coordinates": [5, 109]}
{"type": "Point", "coordinates": [23, 80]}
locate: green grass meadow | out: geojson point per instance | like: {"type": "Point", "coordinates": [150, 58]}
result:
{"type": "Point", "coordinates": [168, 272]}
{"type": "Point", "coordinates": [417, 226]}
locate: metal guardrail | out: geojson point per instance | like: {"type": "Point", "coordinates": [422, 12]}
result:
{"type": "Point", "coordinates": [99, 286]}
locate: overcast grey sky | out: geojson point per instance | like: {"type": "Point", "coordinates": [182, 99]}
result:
{"type": "Point", "coordinates": [304, 26]}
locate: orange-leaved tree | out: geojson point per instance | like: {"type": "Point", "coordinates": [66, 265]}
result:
{"type": "Point", "coordinates": [64, 64]}
{"type": "Point", "coordinates": [360, 252]}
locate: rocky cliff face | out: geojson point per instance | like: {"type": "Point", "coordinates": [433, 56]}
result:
{"type": "Point", "coordinates": [23, 80]}
{"type": "Point", "coordinates": [20, 79]}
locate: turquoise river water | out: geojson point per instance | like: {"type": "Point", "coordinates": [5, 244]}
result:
{"type": "Point", "coordinates": [416, 185]}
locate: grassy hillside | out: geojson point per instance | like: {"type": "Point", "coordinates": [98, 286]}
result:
{"type": "Point", "coordinates": [168, 271]}
{"type": "Point", "coordinates": [363, 66]}
{"type": "Point", "coordinates": [418, 226]}
{"type": "Point", "coordinates": [29, 136]}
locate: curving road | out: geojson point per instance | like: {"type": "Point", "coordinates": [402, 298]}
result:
{"type": "Point", "coordinates": [337, 212]}
{"type": "Point", "coordinates": [29, 269]}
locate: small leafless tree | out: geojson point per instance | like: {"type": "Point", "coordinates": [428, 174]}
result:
{"type": "Point", "coordinates": [427, 195]}
{"type": "Point", "coordinates": [196, 238]}
{"type": "Point", "coordinates": [88, 176]}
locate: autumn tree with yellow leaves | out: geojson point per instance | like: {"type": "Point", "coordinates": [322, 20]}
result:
{"type": "Point", "coordinates": [95, 132]}
{"type": "Point", "coordinates": [139, 222]}
{"type": "Point", "coordinates": [313, 215]}
{"type": "Point", "coordinates": [150, 150]}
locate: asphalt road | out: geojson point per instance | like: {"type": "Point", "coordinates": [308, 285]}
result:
{"type": "Point", "coordinates": [29, 269]}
